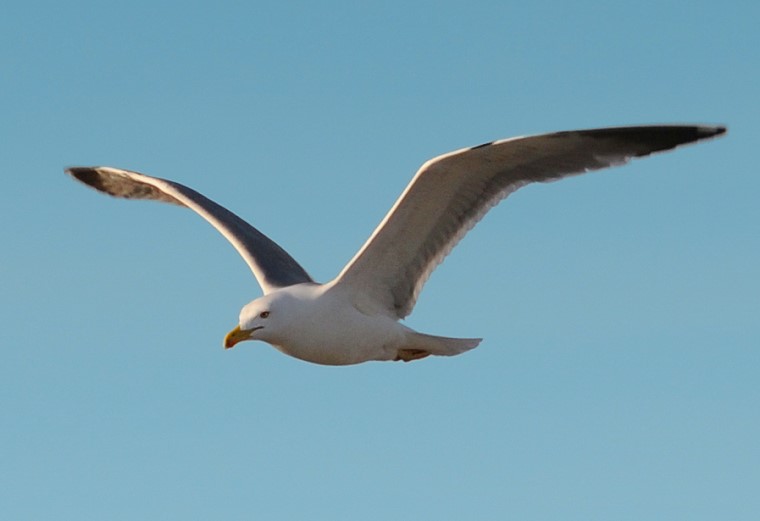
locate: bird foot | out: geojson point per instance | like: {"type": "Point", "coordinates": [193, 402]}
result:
{"type": "Point", "coordinates": [407, 355]}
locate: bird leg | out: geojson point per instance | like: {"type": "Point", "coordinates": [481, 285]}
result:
{"type": "Point", "coordinates": [407, 355]}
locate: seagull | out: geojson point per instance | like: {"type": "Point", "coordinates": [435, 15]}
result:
{"type": "Point", "coordinates": [355, 317]}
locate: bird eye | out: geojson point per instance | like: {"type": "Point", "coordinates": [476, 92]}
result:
{"type": "Point", "coordinates": [264, 314]}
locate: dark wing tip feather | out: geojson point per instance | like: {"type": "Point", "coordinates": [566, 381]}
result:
{"type": "Point", "coordinates": [121, 183]}
{"type": "Point", "coordinates": [655, 138]}
{"type": "Point", "coordinates": [710, 131]}
{"type": "Point", "coordinates": [105, 182]}
{"type": "Point", "coordinates": [668, 137]}
{"type": "Point", "coordinates": [87, 175]}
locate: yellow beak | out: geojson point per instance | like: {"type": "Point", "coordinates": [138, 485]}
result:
{"type": "Point", "coordinates": [237, 335]}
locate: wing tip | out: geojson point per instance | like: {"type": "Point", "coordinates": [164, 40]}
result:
{"type": "Point", "coordinates": [88, 175]}
{"type": "Point", "coordinates": [685, 133]}
{"type": "Point", "coordinates": [705, 131]}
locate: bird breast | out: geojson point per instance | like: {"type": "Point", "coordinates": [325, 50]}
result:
{"type": "Point", "coordinates": [325, 327]}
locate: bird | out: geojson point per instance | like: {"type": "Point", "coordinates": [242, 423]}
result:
{"type": "Point", "coordinates": [356, 317]}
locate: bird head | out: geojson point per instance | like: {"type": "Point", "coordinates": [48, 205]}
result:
{"type": "Point", "coordinates": [258, 320]}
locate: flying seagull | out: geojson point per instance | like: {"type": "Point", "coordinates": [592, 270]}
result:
{"type": "Point", "coordinates": [355, 317]}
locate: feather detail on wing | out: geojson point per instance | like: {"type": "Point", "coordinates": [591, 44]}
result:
{"type": "Point", "coordinates": [452, 192]}
{"type": "Point", "coordinates": [270, 264]}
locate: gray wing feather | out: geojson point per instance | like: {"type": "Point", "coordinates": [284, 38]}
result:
{"type": "Point", "coordinates": [452, 192]}
{"type": "Point", "coordinates": [270, 264]}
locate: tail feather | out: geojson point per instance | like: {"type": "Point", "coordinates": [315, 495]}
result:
{"type": "Point", "coordinates": [441, 345]}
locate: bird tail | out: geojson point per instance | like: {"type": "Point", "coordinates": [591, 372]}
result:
{"type": "Point", "coordinates": [441, 345]}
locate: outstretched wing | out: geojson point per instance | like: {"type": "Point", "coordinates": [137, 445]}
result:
{"type": "Point", "coordinates": [271, 265]}
{"type": "Point", "coordinates": [452, 192]}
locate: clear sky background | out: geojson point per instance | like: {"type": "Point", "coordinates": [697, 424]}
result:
{"type": "Point", "coordinates": [618, 378]}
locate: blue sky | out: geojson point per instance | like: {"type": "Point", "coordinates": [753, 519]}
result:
{"type": "Point", "coordinates": [618, 378]}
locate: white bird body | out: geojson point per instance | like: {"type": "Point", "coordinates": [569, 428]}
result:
{"type": "Point", "coordinates": [322, 323]}
{"type": "Point", "coordinates": [355, 317]}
